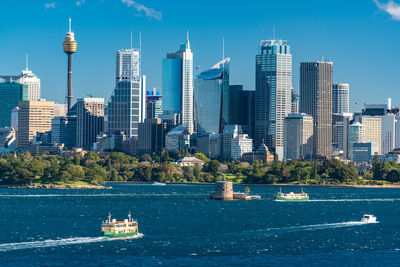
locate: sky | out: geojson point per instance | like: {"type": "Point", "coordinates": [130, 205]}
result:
{"type": "Point", "coordinates": [361, 37]}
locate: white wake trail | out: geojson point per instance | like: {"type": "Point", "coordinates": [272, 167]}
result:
{"type": "Point", "coordinates": [355, 200]}
{"type": "Point", "coordinates": [59, 242]}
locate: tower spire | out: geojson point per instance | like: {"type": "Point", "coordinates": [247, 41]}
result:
{"type": "Point", "coordinates": [187, 40]}
{"type": "Point", "coordinates": [131, 40]}
{"type": "Point", "coordinates": [69, 28]}
{"type": "Point", "coordinates": [27, 62]}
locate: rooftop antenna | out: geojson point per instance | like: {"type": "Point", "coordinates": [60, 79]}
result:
{"type": "Point", "coordinates": [131, 41]}
{"type": "Point", "coordinates": [140, 53]}
{"type": "Point", "coordinates": [27, 57]}
{"type": "Point", "coordinates": [223, 50]}
{"type": "Point", "coordinates": [187, 40]}
{"type": "Point", "coordinates": [273, 32]}
{"type": "Point", "coordinates": [69, 20]}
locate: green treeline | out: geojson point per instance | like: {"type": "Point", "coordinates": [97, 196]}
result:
{"type": "Point", "coordinates": [116, 166]}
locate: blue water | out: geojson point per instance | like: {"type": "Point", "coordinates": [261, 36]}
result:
{"type": "Point", "coordinates": [182, 228]}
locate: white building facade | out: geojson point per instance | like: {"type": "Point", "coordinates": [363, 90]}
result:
{"type": "Point", "coordinates": [340, 98]}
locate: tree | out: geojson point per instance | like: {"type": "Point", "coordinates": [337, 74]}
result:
{"type": "Point", "coordinates": [213, 167]}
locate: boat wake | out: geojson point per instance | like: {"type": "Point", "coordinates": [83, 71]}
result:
{"type": "Point", "coordinates": [274, 231]}
{"type": "Point", "coordinates": [355, 200]}
{"type": "Point", "coordinates": [60, 242]}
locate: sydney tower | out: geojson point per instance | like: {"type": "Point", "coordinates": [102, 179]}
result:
{"type": "Point", "coordinates": [69, 46]}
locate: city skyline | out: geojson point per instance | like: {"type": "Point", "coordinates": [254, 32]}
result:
{"type": "Point", "coordinates": [93, 75]}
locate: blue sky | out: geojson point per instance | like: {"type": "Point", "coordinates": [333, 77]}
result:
{"type": "Point", "coordinates": [361, 37]}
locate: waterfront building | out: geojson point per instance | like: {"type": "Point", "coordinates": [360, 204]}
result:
{"type": "Point", "coordinates": [127, 104]}
{"type": "Point", "coordinates": [240, 145]}
{"type": "Point", "coordinates": [363, 152]}
{"type": "Point", "coordinates": [388, 133]}
{"type": "Point", "coordinates": [273, 93]}
{"type": "Point", "coordinates": [177, 85]}
{"type": "Point", "coordinates": [189, 162]}
{"type": "Point", "coordinates": [90, 121]}
{"type": "Point", "coordinates": [63, 131]}
{"type": "Point", "coordinates": [316, 100]}
{"type": "Point", "coordinates": [261, 154]}
{"type": "Point", "coordinates": [11, 93]}
{"type": "Point", "coordinates": [340, 98]}
{"type": "Point", "coordinates": [356, 135]}
{"type": "Point", "coordinates": [298, 136]}
{"type": "Point", "coordinates": [33, 117]}
{"type": "Point", "coordinates": [151, 137]}
{"type": "Point", "coordinates": [210, 91]}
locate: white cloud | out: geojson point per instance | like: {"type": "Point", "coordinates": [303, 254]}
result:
{"type": "Point", "coordinates": [392, 8]}
{"type": "Point", "coordinates": [148, 12]}
{"type": "Point", "coordinates": [80, 2]}
{"type": "Point", "coordinates": [50, 5]}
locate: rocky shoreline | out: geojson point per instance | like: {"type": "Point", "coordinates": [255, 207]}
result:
{"type": "Point", "coordinates": [55, 186]}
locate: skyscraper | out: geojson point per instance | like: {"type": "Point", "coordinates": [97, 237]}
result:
{"type": "Point", "coordinates": [273, 93]}
{"type": "Point", "coordinates": [210, 86]}
{"type": "Point", "coordinates": [316, 100]}
{"type": "Point", "coordinates": [90, 121]}
{"type": "Point", "coordinates": [298, 136]}
{"type": "Point", "coordinates": [340, 98]}
{"type": "Point", "coordinates": [32, 81]}
{"type": "Point", "coordinates": [178, 84]}
{"type": "Point", "coordinates": [151, 136]}
{"type": "Point", "coordinates": [127, 104]}
{"type": "Point", "coordinates": [388, 133]}
{"type": "Point", "coordinates": [33, 117]}
{"type": "Point", "coordinates": [11, 93]}
{"type": "Point", "coordinates": [69, 47]}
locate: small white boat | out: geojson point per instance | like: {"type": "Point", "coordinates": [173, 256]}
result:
{"type": "Point", "coordinates": [159, 184]}
{"type": "Point", "coordinates": [368, 218]}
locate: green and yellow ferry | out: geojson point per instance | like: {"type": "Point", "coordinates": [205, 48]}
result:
{"type": "Point", "coordinates": [291, 196]}
{"type": "Point", "coordinates": [125, 228]}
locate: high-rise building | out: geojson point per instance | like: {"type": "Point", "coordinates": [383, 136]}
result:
{"type": "Point", "coordinates": [340, 98]}
{"type": "Point", "coordinates": [90, 121]}
{"type": "Point", "coordinates": [316, 100]}
{"type": "Point", "coordinates": [69, 47]}
{"type": "Point", "coordinates": [151, 137]}
{"type": "Point", "coordinates": [240, 145]}
{"type": "Point", "coordinates": [178, 84]}
{"type": "Point", "coordinates": [127, 104]}
{"type": "Point", "coordinates": [33, 117]}
{"type": "Point", "coordinates": [340, 132]}
{"type": "Point", "coordinates": [153, 104]}
{"type": "Point", "coordinates": [356, 135]}
{"type": "Point", "coordinates": [373, 131]}
{"type": "Point", "coordinates": [388, 133]}
{"type": "Point", "coordinates": [298, 136]}
{"type": "Point", "coordinates": [33, 82]}
{"type": "Point", "coordinates": [273, 93]}
{"type": "Point", "coordinates": [242, 108]}
{"type": "Point", "coordinates": [230, 133]}
{"type": "Point", "coordinates": [63, 131]}
{"type": "Point", "coordinates": [10, 94]}
{"type": "Point", "coordinates": [210, 86]}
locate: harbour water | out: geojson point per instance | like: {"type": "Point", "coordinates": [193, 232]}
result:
{"type": "Point", "coordinates": [181, 227]}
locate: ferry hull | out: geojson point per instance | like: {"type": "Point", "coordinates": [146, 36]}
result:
{"type": "Point", "coordinates": [291, 199]}
{"type": "Point", "coordinates": [112, 234]}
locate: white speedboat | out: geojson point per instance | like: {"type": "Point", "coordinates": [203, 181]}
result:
{"type": "Point", "coordinates": [159, 184]}
{"type": "Point", "coordinates": [368, 218]}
